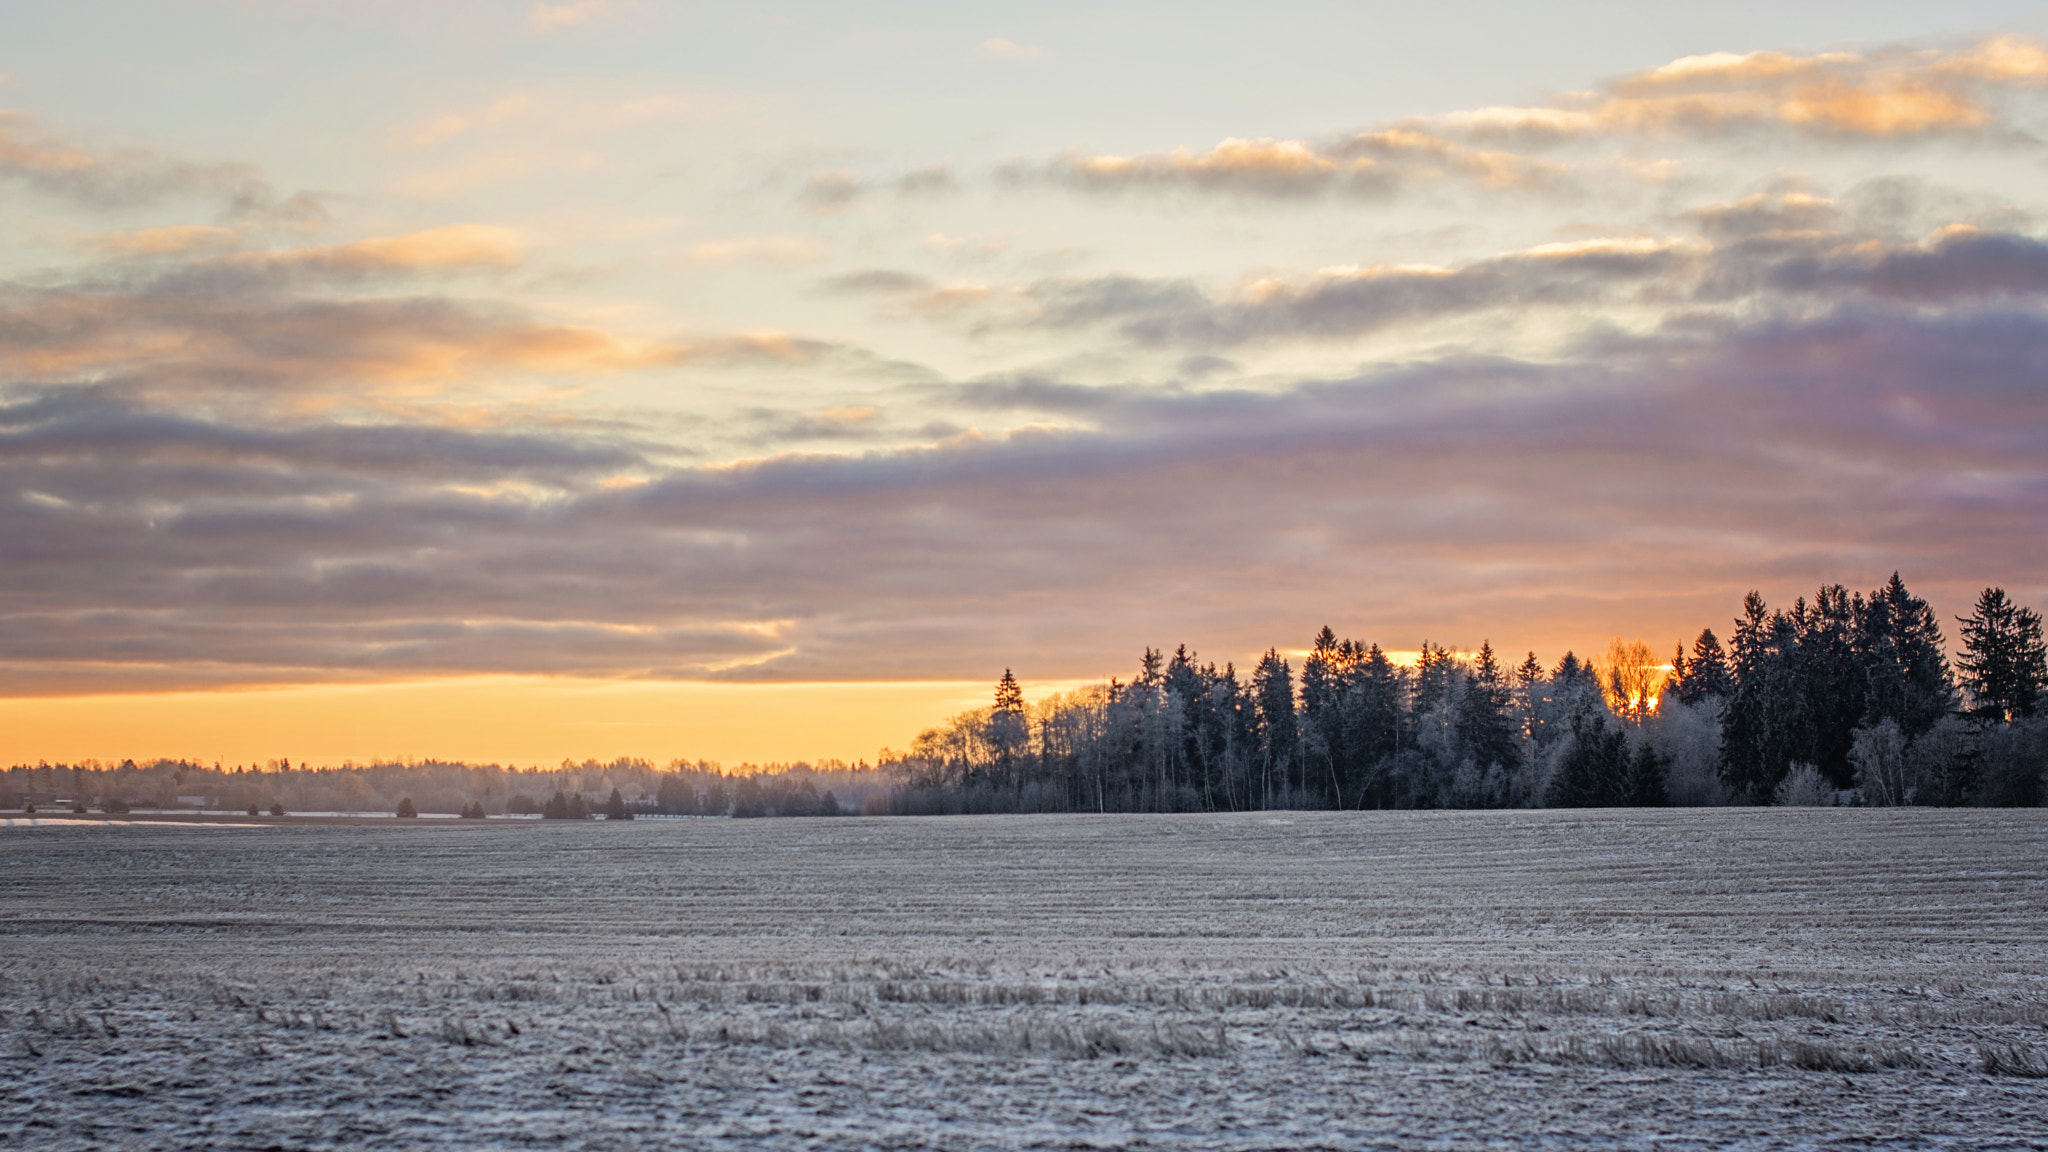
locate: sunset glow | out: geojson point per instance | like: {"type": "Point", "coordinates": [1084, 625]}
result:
{"type": "Point", "coordinates": [520, 382]}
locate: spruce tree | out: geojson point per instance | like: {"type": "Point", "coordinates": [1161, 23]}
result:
{"type": "Point", "coordinates": [1765, 726]}
{"type": "Point", "coordinates": [1644, 787]}
{"type": "Point", "coordinates": [1273, 696]}
{"type": "Point", "coordinates": [1595, 769]}
{"type": "Point", "coordinates": [1908, 675]}
{"type": "Point", "coordinates": [1833, 675]}
{"type": "Point", "coordinates": [1706, 673]}
{"type": "Point", "coordinates": [615, 807]}
{"type": "Point", "coordinates": [2004, 661]}
{"type": "Point", "coordinates": [1486, 724]}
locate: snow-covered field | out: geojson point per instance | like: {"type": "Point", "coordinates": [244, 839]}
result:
{"type": "Point", "coordinates": [1706, 978]}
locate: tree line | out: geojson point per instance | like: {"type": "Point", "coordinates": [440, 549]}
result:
{"type": "Point", "coordinates": [1845, 698]}
{"type": "Point", "coordinates": [618, 788]}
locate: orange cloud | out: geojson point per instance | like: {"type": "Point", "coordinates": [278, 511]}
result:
{"type": "Point", "coordinates": [550, 17]}
{"type": "Point", "coordinates": [1885, 94]}
{"type": "Point", "coordinates": [176, 240]}
{"type": "Point", "coordinates": [456, 246]}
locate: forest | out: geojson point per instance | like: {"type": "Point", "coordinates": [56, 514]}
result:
{"type": "Point", "coordinates": [1848, 698]}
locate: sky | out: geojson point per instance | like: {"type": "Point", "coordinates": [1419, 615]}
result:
{"type": "Point", "coordinates": [519, 380]}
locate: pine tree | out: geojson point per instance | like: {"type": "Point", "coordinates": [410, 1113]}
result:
{"type": "Point", "coordinates": [2004, 662]}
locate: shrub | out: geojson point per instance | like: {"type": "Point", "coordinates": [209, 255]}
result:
{"type": "Point", "coordinates": [473, 810]}
{"type": "Point", "coordinates": [254, 812]}
{"type": "Point", "coordinates": [277, 808]}
{"type": "Point", "coordinates": [522, 805]}
{"type": "Point", "coordinates": [405, 809]}
{"type": "Point", "coordinates": [114, 806]}
{"type": "Point", "coordinates": [1804, 787]}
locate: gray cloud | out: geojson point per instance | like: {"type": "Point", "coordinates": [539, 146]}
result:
{"type": "Point", "coordinates": [831, 191]}
{"type": "Point", "coordinates": [128, 177]}
{"type": "Point", "coordinates": [1628, 488]}
{"type": "Point", "coordinates": [878, 281]}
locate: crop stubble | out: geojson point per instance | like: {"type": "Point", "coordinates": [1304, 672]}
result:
{"type": "Point", "coordinates": [1684, 978]}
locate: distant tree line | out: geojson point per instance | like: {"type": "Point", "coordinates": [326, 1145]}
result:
{"type": "Point", "coordinates": [1847, 698]}
{"type": "Point", "coordinates": [475, 791]}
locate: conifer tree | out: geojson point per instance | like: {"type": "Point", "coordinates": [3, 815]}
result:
{"type": "Point", "coordinates": [615, 807]}
{"type": "Point", "coordinates": [2004, 661]}
{"type": "Point", "coordinates": [1273, 697]}
{"type": "Point", "coordinates": [1833, 676]}
{"type": "Point", "coordinates": [1485, 722]}
{"type": "Point", "coordinates": [1595, 769]}
{"type": "Point", "coordinates": [1908, 675]}
{"type": "Point", "coordinates": [1766, 725]}
{"type": "Point", "coordinates": [1706, 672]}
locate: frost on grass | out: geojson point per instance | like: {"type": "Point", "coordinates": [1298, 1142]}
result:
{"type": "Point", "coordinates": [1768, 978]}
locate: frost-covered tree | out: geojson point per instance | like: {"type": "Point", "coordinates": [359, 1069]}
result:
{"type": "Point", "coordinates": [1878, 753]}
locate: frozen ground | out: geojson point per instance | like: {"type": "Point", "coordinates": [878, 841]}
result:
{"type": "Point", "coordinates": [1684, 979]}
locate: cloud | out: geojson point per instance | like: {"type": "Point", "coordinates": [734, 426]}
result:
{"type": "Point", "coordinates": [1256, 167]}
{"type": "Point", "coordinates": [292, 351]}
{"type": "Point", "coordinates": [927, 181]}
{"type": "Point", "coordinates": [1886, 95]}
{"type": "Point", "coordinates": [1890, 93]}
{"type": "Point", "coordinates": [453, 125]}
{"type": "Point", "coordinates": [1632, 484]}
{"type": "Point", "coordinates": [877, 280]}
{"type": "Point", "coordinates": [174, 240]}
{"type": "Point", "coordinates": [132, 177]}
{"type": "Point", "coordinates": [1769, 252]}
{"type": "Point", "coordinates": [771, 249]}
{"type": "Point", "coordinates": [831, 191]}
{"type": "Point", "coordinates": [1354, 300]}
{"type": "Point", "coordinates": [997, 48]}
{"type": "Point", "coordinates": [544, 17]}
{"type": "Point", "coordinates": [447, 250]}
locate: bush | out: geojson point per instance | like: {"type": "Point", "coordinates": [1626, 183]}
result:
{"type": "Point", "coordinates": [522, 805]}
{"type": "Point", "coordinates": [405, 809]}
{"type": "Point", "coordinates": [473, 810]}
{"type": "Point", "coordinates": [1804, 787]}
{"type": "Point", "coordinates": [254, 812]}
{"type": "Point", "coordinates": [114, 806]}
{"type": "Point", "coordinates": [277, 808]}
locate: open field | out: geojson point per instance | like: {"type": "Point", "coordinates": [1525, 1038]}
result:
{"type": "Point", "coordinates": [1750, 978]}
